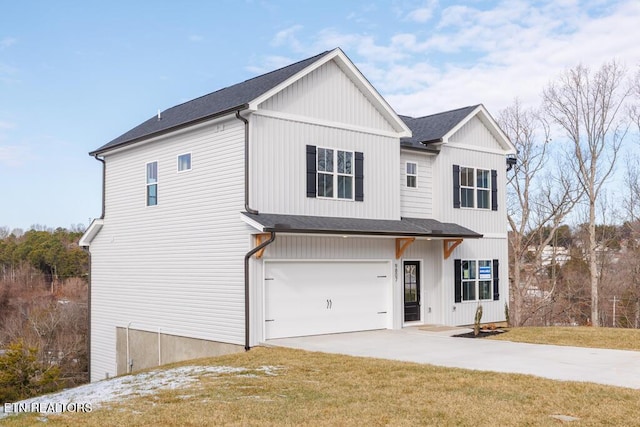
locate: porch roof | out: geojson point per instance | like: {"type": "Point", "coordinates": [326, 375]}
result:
{"type": "Point", "coordinates": [303, 224]}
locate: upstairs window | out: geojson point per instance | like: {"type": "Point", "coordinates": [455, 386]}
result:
{"type": "Point", "coordinates": [152, 183]}
{"type": "Point", "coordinates": [184, 162]}
{"type": "Point", "coordinates": [475, 188]}
{"type": "Point", "coordinates": [335, 173]}
{"type": "Point", "coordinates": [412, 174]}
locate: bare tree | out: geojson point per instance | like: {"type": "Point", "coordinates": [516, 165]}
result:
{"type": "Point", "coordinates": [538, 202]}
{"type": "Point", "coordinates": [588, 108]}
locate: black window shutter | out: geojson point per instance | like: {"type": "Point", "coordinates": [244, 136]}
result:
{"type": "Point", "coordinates": [311, 171]}
{"type": "Point", "coordinates": [496, 280]}
{"type": "Point", "coordinates": [456, 186]}
{"type": "Point", "coordinates": [494, 190]}
{"type": "Point", "coordinates": [457, 266]}
{"type": "Point", "coordinates": [359, 175]}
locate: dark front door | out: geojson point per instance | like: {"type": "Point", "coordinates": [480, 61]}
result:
{"type": "Point", "coordinates": [411, 291]}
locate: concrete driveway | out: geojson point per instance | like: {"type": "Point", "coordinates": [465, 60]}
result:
{"type": "Point", "coordinates": [611, 367]}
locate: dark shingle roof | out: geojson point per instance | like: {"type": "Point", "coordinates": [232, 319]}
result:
{"type": "Point", "coordinates": [432, 128]}
{"type": "Point", "coordinates": [416, 227]}
{"type": "Point", "coordinates": [207, 106]}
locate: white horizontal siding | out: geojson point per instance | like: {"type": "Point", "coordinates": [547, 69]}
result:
{"type": "Point", "coordinates": [328, 93]}
{"type": "Point", "coordinates": [416, 202]}
{"type": "Point", "coordinates": [177, 266]}
{"type": "Point", "coordinates": [278, 170]}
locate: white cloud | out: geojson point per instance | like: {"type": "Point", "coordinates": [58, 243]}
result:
{"type": "Point", "coordinates": [288, 37]}
{"type": "Point", "coordinates": [6, 125]}
{"type": "Point", "coordinates": [423, 14]}
{"type": "Point", "coordinates": [493, 56]}
{"type": "Point", "coordinates": [7, 42]}
{"type": "Point", "coordinates": [270, 63]}
{"type": "Point", "coordinates": [11, 155]}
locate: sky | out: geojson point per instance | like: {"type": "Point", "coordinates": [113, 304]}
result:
{"type": "Point", "coordinates": [76, 74]}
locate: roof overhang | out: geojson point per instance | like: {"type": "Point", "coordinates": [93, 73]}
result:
{"type": "Point", "coordinates": [405, 227]}
{"type": "Point", "coordinates": [91, 232]}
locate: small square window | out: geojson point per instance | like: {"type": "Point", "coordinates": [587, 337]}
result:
{"type": "Point", "coordinates": [184, 162]}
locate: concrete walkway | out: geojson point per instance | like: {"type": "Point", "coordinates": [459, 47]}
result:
{"type": "Point", "coordinates": [611, 367]}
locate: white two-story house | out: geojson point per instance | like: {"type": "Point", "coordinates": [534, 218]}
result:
{"type": "Point", "coordinates": [294, 203]}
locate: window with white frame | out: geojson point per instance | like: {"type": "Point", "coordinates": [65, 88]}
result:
{"type": "Point", "coordinates": [412, 174]}
{"type": "Point", "coordinates": [476, 280]}
{"type": "Point", "coordinates": [152, 183]}
{"type": "Point", "coordinates": [184, 162]}
{"type": "Point", "coordinates": [475, 188]}
{"type": "Point", "coordinates": [335, 173]}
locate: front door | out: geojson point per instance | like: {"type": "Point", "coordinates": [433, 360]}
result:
{"type": "Point", "coordinates": [411, 291]}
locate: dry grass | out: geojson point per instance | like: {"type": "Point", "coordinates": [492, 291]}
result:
{"type": "Point", "coordinates": [614, 338]}
{"type": "Point", "coordinates": [313, 389]}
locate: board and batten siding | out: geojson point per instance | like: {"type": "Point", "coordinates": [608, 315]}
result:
{"type": "Point", "coordinates": [429, 253]}
{"type": "Point", "coordinates": [479, 220]}
{"type": "Point", "coordinates": [278, 169]}
{"type": "Point", "coordinates": [416, 202]}
{"type": "Point", "coordinates": [327, 93]}
{"type": "Point", "coordinates": [475, 133]}
{"type": "Point", "coordinates": [176, 267]}
{"type": "Point", "coordinates": [463, 313]}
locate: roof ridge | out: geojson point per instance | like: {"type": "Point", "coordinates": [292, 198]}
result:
{"type": "Point", "coordinates": [445, 112]}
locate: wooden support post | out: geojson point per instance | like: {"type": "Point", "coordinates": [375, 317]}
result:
{"type": "Point", "coordinates": [259, 239]}
{"type": "Point", "coordinates": [403, 243]}
{"type": "Point", "coordinates": [449, 245]}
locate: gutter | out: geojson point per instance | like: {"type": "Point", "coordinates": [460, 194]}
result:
{"type": "Point", "coordinates": [247, 257]}
{"type": "Point", "coordinates": [104, 186]}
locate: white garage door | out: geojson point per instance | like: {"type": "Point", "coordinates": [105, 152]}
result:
{"type": "Point", "coordinates": [316, 297]}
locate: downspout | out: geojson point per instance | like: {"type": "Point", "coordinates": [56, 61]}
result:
{"type": "Point", "coordinates": [246, 164]}
{"type": "Point", "coordinates": [247, 257]}
{"type": "Point", "coordinates": [104, 175]}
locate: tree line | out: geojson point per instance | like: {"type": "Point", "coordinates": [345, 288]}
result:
{"type": "Point", "coordinates": [569, 149]}
{"type": "Point", "coordinates": [43, 311]}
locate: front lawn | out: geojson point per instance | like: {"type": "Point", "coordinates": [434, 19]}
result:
{"type": "Point", "coordinates": [581, 336]}
{"type": "Point", "coordinates": [305, 388]}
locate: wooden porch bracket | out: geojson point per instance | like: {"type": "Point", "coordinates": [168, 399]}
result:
{"type": "Point", "coordinates": [402, 243]}
{"type": "Point", "coordinates": [262, 237]}
{"type": "Point", "coordinates": [449, 245]}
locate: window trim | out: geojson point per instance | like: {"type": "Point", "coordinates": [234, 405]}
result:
{"type": "Point", "coordinates": [476, 190]}
{"type": "Point", "coordinates": [476, 280]}
{"type": "Point", "coordinates": [178, 162]}
{"type": "Point", "coordinates": [408, 175]}
{"type": "Point", "coordinates": [336, 174]}
{"type": "Point", "coordinates": [150, 184]}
